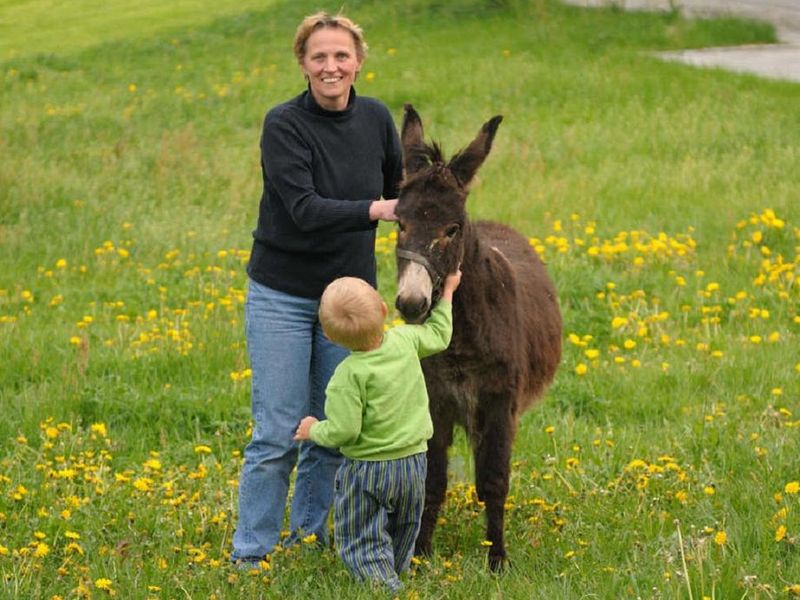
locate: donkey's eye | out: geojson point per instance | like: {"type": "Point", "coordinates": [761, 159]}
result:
{"type": "Point", "coordinates": [452, 230]}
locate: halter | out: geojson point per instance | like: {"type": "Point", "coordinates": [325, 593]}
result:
{"type": "Point", "coordinates": [421, 260]}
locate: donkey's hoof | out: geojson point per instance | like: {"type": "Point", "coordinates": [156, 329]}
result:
{"type": "Point", "coordinates": [423, 548]}
{"type": "Point", "coordinates": [498, 563]}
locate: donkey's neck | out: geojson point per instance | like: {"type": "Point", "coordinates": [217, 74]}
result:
{"type": "Point", "coordinates": [479, 266]}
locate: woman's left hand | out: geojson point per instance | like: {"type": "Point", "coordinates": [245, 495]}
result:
{"type": "Point", "coordinates": [383, 210]}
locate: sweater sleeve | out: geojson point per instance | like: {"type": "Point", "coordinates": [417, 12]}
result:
{"type": "Point", "coordinates": [286, 161]}
{"type": "Point", "coordinates": [434, 335]}
{"type": "Point", "coordinates": [343, 412]}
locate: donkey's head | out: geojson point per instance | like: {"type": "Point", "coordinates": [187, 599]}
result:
{"type": "Point", "coordinates": [431, 215]}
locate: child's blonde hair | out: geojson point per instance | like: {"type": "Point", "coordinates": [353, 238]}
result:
{"type": "Point", "coordinates": [351, 313]}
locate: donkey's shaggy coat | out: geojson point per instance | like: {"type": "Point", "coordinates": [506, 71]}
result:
{"type": "Point", "coordinates": [506, 342]}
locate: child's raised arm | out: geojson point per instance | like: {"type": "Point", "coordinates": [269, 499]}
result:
{"type": "Point", "coordinates": [451, 283]}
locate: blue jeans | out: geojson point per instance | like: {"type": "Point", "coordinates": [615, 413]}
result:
{"type": "Point", "coordinates": [291, 362]}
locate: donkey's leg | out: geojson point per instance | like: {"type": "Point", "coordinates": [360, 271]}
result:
{"type": "Point", "coordinates": [492, 469]}
{"type": "Point", "coordinates": [436, 480]}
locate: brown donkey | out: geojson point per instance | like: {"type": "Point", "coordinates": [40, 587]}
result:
{"type": "Point", "coordinates": [506, 342]}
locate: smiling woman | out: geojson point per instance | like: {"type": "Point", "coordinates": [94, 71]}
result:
{"type": "Point", "coordinates": [327, 157]}
{"type": "Point", "coordinates": [330, 65]}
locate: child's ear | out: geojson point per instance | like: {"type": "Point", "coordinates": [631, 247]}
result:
{"type": "Point", "coordinates": [384, 309]}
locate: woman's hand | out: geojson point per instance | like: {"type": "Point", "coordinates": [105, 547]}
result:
{"type": "Point", "coordinates": [383, 210]}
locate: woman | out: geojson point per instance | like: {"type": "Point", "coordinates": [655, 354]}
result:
{"type": "Point", "coordinates": [327, 157]}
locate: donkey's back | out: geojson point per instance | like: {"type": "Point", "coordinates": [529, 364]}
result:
{"type": "Point", "coordinates": [533, 308]}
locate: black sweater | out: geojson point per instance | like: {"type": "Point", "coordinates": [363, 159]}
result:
{"type": "Point", "coordinates": [321, 172]}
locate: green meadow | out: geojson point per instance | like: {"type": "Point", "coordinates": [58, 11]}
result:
{"type": "Point", "coordinates": [663, 461]}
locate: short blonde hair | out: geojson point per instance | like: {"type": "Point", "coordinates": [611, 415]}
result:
{"type": "Point", "coordinates": [320, 20]}
{"type": "Point", "coordinates": [351, 313]}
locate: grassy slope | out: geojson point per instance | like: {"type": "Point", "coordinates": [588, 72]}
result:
{"type": "Point", "coordinates": [135, 161]}
{"type": "Point", "coordinates": [44, 26]}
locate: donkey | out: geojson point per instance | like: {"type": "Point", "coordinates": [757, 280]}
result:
{"type": "Point", "coordinates": [506, 341]}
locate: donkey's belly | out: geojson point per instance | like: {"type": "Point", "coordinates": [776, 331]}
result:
{"type": "Point", "coordinates": [453, 393]}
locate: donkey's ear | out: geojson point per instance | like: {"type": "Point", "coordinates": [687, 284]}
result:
{"type": "Point", "coordinates": [412, 138]}
{"type": "Point", "coordinates": [465, 164]}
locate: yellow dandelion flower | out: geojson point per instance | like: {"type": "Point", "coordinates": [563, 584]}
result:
{"type": "Point", "coordinates": [201, 449]}
{"type": "Point", "coordinates": [709, 490]}
{"type": "Point", "coordinates": [618, 322]}
{"type": "Point", "coordinates": [792, 487]}
{"type": "Point", "coordinates": [142, 484]}
{"type": "Point", "coordinates": [73, 547]}
{"type": "Point", "coordinates": [310, 539]}
{"type": "Point", "coordinates": [720, 538]}
{"type": "Point", "coordinates": [486, 543]}
{"type": "Point", "coordinates": [99, 428]}
{"type": "Point", "coordinates": [152, 464]}
{"type": "Point", "coordinates": [581, 369]}
{"type": "Point", "coordinates": [103, 584]}
{"type": "Point", "coordinates": [780, 533]}
{"type": "Point", "coordinates": [41, 550]}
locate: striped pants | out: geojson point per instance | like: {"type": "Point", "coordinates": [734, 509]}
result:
{"type": "Point", "coordinates": [377, 512]}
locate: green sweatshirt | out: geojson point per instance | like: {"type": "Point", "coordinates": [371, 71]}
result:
{"type": "Point", "coordinates": [376, 402]}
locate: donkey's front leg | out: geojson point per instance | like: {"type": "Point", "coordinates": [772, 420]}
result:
{"type": "Point", "coordinates": [435, 482]}
{"type": "Point", "coordinates": [492, 469]}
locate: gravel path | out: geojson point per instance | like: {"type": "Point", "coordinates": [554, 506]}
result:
{"type": "Point", "coordinates": [780, 61]}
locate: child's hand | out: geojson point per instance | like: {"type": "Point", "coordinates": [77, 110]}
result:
{"type": "Point", "coordinates": [451, 283]}
{"type": "Point", "coordinates": [304, 429]}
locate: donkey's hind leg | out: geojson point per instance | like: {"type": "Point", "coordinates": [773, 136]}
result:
{"type": "Point", "coordinates": [492, 469]}
{"type": "Point", "coordinates": [436, 480]}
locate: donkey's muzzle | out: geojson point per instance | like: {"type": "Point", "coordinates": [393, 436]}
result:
{"type": "Point", "coordinates": [413, 309]}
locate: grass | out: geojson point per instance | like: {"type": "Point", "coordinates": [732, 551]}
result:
{"type": "Point", "coordinates": [662, 462]}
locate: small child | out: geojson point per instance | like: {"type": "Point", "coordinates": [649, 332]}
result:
{"type": "Point", "coordinates": [377, 415]}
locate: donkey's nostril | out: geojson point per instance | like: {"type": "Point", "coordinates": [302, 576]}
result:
{"type": "Point", "coordinates": [414, 308]}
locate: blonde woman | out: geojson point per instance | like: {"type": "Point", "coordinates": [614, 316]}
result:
{"type": "Point", "coordinates": [331, 164]}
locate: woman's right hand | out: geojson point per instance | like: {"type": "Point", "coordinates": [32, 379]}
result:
{"type": "Point", "coordinates": [383, 210]}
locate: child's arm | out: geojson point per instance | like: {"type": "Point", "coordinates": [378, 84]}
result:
{"type": "Point", "coordinates": [343, 411]}
{"type": "Point", "coordinates": [451, 283]}
{"type": "Point", "coordinates": [434, 335]}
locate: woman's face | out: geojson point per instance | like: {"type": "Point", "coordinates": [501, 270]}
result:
{"type": "Point", "coordinates": [331, 65]}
